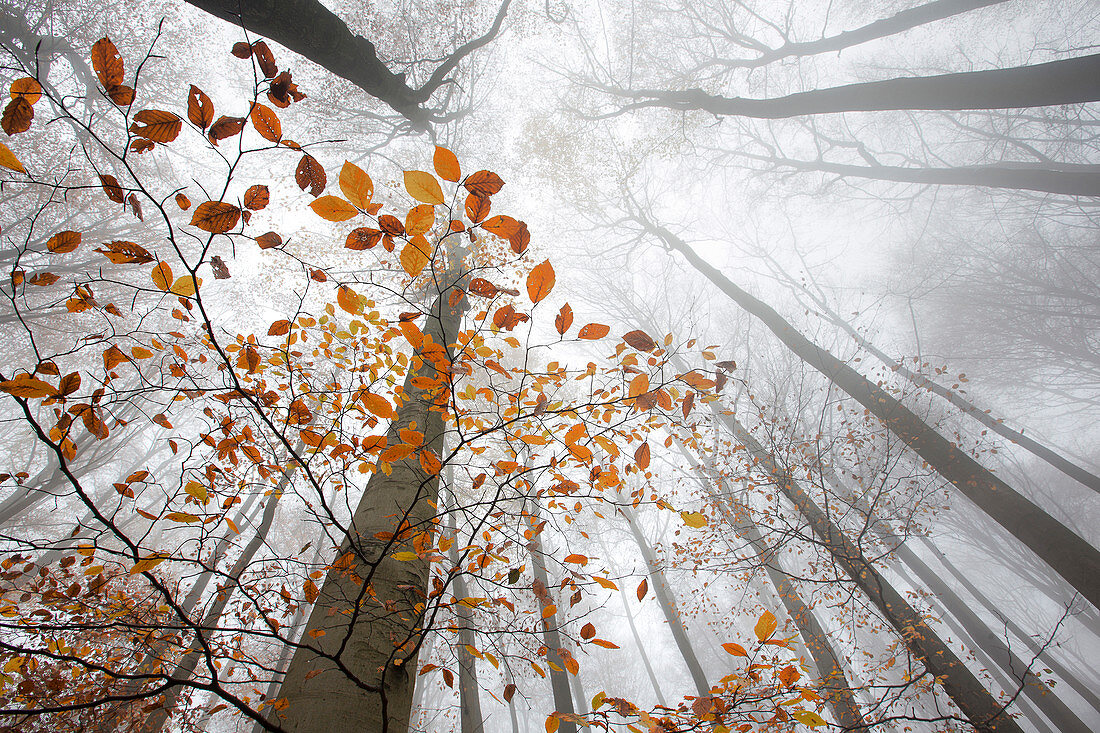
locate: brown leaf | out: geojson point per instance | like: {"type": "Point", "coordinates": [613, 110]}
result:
{"type": "Point", "coordinates": [225, 127]}
{"type": "Point", "coordinates": [283, 91]}
{"type": "Point", "coordinates": [363, 238]}
{"type": "Point", "coordinates": [257, 197]}
{"type": "Point", "coordinates": [265, 59]}
{"type": "Point", "coordinates": [62, 242]}
{"type": "Point", "coordinates": [217, 264]}
{"type": "Point", "coordinates": [69, 384]}
{"type": "Point", "coordinates": [241, 50]}
{"type": "Point", "coordinates": [121, 95]}
{"type": "Point", "coordinates": [520, 239]}
{"type": "Point", "coordinates": [588, 631]}
{"type": "Point", "coordinates": [483, 183]}
{"type": "Point", "coordinates": [310, 175]}
{"type": "Point", "coordinates": [266, 123]}
{"type": "Point", "coordinates": [42, 279]}
{"type": "Point", "coordinates": [564, 319]}
{"type": "Point", "coordinates": [17, 116]}
{"type": "Point", "coordinates": [270, 240]}
{"type": "Point", "coordinates": [200, 110]}
{"type": "Point", "coordinates": [122, 253]}
{"type": "Point", "coordinates": [156, 125]}
{"type": "Point", "coordinates": [643, 587]}
{"type": "Point", "coordinates": [477, 207]}
{"type": "Point", "coordinates": [112, 357]}
{"type": "Point", "coordinates": [107, 63]}
{"type": "Point", "coordinates": [279, 328]}
{"type": "Point", "coordinates": [640, 340]}
{"type": "Point", "coordinates": [641, 456]}
{"type": "Point", "coordinates": [112, 189]}
{"type": "Point", "coordinates": [391, 225]}
{"type": "Point", "coordinates": [216, 217]}
{"type": "Point", "coordinates": [135, 206]}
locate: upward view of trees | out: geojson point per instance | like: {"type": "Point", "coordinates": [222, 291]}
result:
{"type": "Point", "coordinates": [628, 366]}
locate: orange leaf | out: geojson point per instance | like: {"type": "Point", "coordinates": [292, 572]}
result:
{"type": "Point", "coordinates": [348, 299]}
{"type": "Point", "coordinates": [333, 208]}
{"type": "Point", "coordinates": [8, 159]}
{"type": "Point", "coordinates": [376, 404]}
{"type": "Point", "coordinates": [605, 644]}
{"type": "Point", "coordinates": [200, 110]}
{"type": "Point", "coordinates": [735, 649]}
{"type": "Point", "coordinates": [477, 207]}
{"type": "Point", "coordinates": [541, 281]}
{"type": "Point", "coordinates": [123, 253]}
{"type": "Point", "coordinates": [62, 242]}
{"type": "Point", "coordinates": [446, 165]}
{"type": "Point", "coordinates": [112, 357]}
{"type": "Point", "coordinates": [107, 63]}
{"type": "Point", "coordinates": [266, 122]}
{"type": "Point", "coordinates": [257, 197]}
{"type": "Point", "coordinates": [765, 625]}
{"type": "Point", "coordinates": [415, 255]}
{"type": "Point", "coordinates": [552, 723]}
{"type": "Point", "coordinates": [593, 331]}
{"type": "Point", "coordinates": [279, 328]}
{"type": "Point", "coordinates": [216, 217]}
{"type": "Point", "coordinates": [162, 276]}
{"type": "Point", "coordinates": [423, 187]}
{"type": "Point", "coordinates": [420, 219]}
{"type": "Point", "coordinates": [564, 319]}
{"type": "Point", "coordinates": [639, 385]}
{"type": "Point", "coordinates": [156, 125]}
{"type": "Point", "coordinates": [183, 202]}
{"type": "Point", "coordinates": [356, 185]}
{"type": "Point", "coordinates": [483, 183]}
{"type": "Point", "coordinates": [641, 456]}
{"type": "Point", "coordinates": [27, 88]}
{"type": "Point", "coordinates": [503, 226]}
{"type": "Point", "coordinates": [643, 588]}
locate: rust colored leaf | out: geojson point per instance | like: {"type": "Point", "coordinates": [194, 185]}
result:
{"type": "Point", "coordinates": [42, 279]}
{"type": "Point", "coordinates": [482, 287]}
{"type": "Point", "coordinates": [124, 253]}
{"type": "Point", "coordinates": [266, 122]}
{"type": "Point", "coordinates": [356, 185]}
{"type": "Point", "coordinates": [564, 319]}
{"type": "Point", "coordinates": [156, 125]}
{"type": "Point", "coordinates": [112, 357]}
{"type": "Point", "coordinates": [62, 242]}
{"type": "Point", "coordinates": [483, 183]}
{"type": "Point", "coordinates": [446, 164]}
{"type": "Point", "coordinates": [279, 328]}
{"type": "Point", "coordinates": [318, 275]}
{"type": "Point", "coordinates": [216, 217]}
{"type": "Point", "coordinates": [241, 50]}
{"type": "Point", "coordinates": [121, 95]}
{"type": "Point", "coordinates": [508, 317]}
{"type": "Point", "coordinates": [689, 401]}
{"type": "Point", "coordinates": [640, 340]}
{"type": "Point", "coordinates": [200, 110]}
{"type": "Point", "coordinates": [69, 383]}
{"type": "Point", "coordinates": [503, 226]}
{"type": "Point", "coordinates": [641, 456]}
{"type": "Point", "coordinates": [111, 188]}
{"type": "Point", "coordinates": [540, 281]}
{"type": "Point", "coordinates": [107, 63]}
{"type": "Point", "coordinates": [265, 59]}
{"type": "Point", "coordinates": [27, 88]}
{"type": "Point", "coordinates": [248, 359]}
{"type": "Point", "coordinates": [477, 207]}
{"type": "Point", "coordinates": [135, 206]}
{"type": "Point", "coordinates": [225, 127]}
{"type": "Point", "coordinates": [257, 197]}
{"type": "Point", "coordinates": [363, 238]}
{"type": "Point", "coordinates": [217, 264]}
{"type": "Point", "coordinates": [17, 116]}
{"type": "Point", "coordinates": [643, 588]}
{"type": "Point", "coordinates": [588, 631]}
{"type": "Point", "coordinates": [594, 331]}
{"type": "Point", "coordinates": [391, 225]}
{"type": "Point", "coordinates": [283, 91]}
{"type": "Point", "coordinates": [310, 175]}
{"type": "Point", "coordinates": [299, 413]}
{"type": "Point", "coordinates": [520, 239]}
{"type": "Point", "coordinates": [333, 208]}
{"type": "Point", "coordinates": [269, 240]}
{"type": "Point", "coordinates": [183, 202]}
{"type": "Point", "coordinates": [509, 692]}
{"type": "Point", "coordinates": [309, 591]}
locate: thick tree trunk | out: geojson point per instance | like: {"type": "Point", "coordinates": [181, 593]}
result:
{"type": "Point", "coordinates": [968, 693]}
{"type": "Point", "coordinates": [356, 665]}
{"type": "Point", "coordinates": [667, 602]}
{"type": "Point", "coordinates": [1072, 81]}
{"type": "Point", "coordinates": [898, 23]}
{"type": "Point", "coordinates": [1068, 554]}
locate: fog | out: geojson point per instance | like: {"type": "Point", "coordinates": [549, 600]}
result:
{"type": "Point", "coordinates": [623, 365]}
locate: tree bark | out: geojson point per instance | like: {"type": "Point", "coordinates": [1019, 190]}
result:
{"type": "Point", "coordinates": [1068, 554]}
{"type": "Point", "coordinates": [1072, 81]}
{"type": "Point", "coordinates": [357, 672]}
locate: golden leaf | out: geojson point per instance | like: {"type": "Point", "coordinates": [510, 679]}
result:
{"type": "Point", "coordinates": [423, 187]}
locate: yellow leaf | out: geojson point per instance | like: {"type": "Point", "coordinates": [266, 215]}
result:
{"type": "Point", "coordinates": [415, 255]}
{"type": "Point", "coordinates": [139, 353]}
{"type": "Point", "coordinates": [162, 276]}
{"type": "Point", "coordinates": [809, 718]}
{"type": "Point", "coordinates": [597, 701]}
{"type": "Point", "coordinates": [446, 165]}
{"type": "Point", "coordinates": [333, 208]}
{"type": "Point", "coordinates": [694, 519]}
{"type": "Point", "coordinates": [405, 556]}
{"type": "Point", "coordinates": [541, 281]}
{"type": "Point", "coordinates": [419, 219]}
{"type": "Point", "coordinates": [197, 490]}
{"type": "Point", "coordinates": [356, 185]}
{"type": "Point", "coordinates": [423, 187]}
{"type": "Point", "coordinates": [765, 625]}
{"type": "Point", "coordinates": [146, 563]}
{"type": "Point", "coordinates": [8, 159]}
{"type": "Point", "coordinates": [182, 517]}
{"type": "Point", "coordinates": [185, 286]}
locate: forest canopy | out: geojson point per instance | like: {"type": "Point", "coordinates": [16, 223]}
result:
{"type": "Point", "coordinates": [627, 366]}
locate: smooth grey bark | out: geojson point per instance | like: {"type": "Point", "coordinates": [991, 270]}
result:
{"type": "Point", "coordinates": [1066, 179]}
{"type": "Point", "coordinates": [559, 684]}
{"type": "Point", "coordinates": [1067, 553]}
{"type": "Point", "coordinates": [469, 700]}
{"type": "Point", "coordinates": [667, 602]}
{"type": "Point", "coordinates": [1071, 81]}
{"type": "Point", "coordinates": [358, 673]}
{"type": "Point", "coordinates": [642, 653]}
{"type": "Point", "coordinates": [899, 22]}
{"type": "Point", "coordinates": [968, 693]}
{"type": "Point", "coordinates": [308, 28]}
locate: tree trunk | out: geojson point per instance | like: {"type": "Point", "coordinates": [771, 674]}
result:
{"type": "Point", "coordinates": [968, 693]}
{"type": "Point", "coordinates": [357, 672]}
{"type": "Point", "coordinates": [642, 653]}
{"type": "Point", "coordinates": [469, 700]}
{"type": "Point", "coordinates": [1068, 554]}
{"type": "Point", "coordinates": [668, 604]}
{"type": "Point", "coordinates": [1072, 81]}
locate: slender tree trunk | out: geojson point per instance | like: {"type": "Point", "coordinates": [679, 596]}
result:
{"type": "Point", "coordinates": [358, 673]}
{"type": "Point", "coordinates": [1071, 81]}
{"type": "Point", "coordinates": [667, 602]}
{"type": "Point", "coordinates": [1068, 554]}
{"type": "Point", "coordinates": [559, 684]}
{"type": "Point", "coordinates": [968, 693]}
{"type": "Point", "coordinates": [898, 23]}
{"type": "Point", "coordinates": [469, 701]}
{"type": "Point", "coordinates": [642, 653]}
